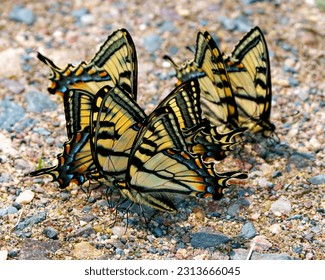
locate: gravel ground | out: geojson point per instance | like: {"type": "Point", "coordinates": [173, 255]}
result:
{"type": "Point", "coordinates": [280, 208]}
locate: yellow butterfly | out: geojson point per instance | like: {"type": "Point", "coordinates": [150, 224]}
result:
{"type": "Point", "coordinates": [218, 103]}
{"type": "Point", "coordinates": [242, 82]}
{"type": "Point", "coordinates": [114, 64]}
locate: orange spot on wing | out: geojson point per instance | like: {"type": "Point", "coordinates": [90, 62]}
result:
{"type": "Point", "coordinates": [185, 155]}
{"type": "Point", "coordinates": [103, 74]}
{"type": "Point", "coordinates": [78, 137]}
{"type": "Point", "coordinates": [67, 149]}
{"type": "Point", "coordinates": [198, 162]}
{"type": "Point", "coordinates": [67, 72]}
{"type": "Point", "coordinates": [79, 71]}
{"type": "Point", "coordinates": [240, 66]}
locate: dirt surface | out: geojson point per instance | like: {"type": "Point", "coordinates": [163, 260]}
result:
{"type": "Point", "coordinates": [280, 207]}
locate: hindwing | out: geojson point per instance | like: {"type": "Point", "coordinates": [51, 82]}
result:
{"type": "Point", "coordinates": [75, 163]}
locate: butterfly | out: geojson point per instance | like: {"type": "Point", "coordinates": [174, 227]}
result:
{"type": "Point", "coordinates": [160, 165]}
{"type": "Point", "coordinates": [247, 98]}
{"type": "Point", "coordinates": [218, 103]}
{"type": "Point", "coordinates": [114, 64]}
{"type": "Point", "coordinates": [121, 150]}
{"type": "Point", "coordinates": [248, 67]}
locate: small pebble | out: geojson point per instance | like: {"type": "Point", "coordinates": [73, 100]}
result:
{"type": "Point", "coordinates": [317, 180]}
{"type": "Point", "coordinates": [152, 42]}
{"type": "Point", "coordinates": [205, 240]}
{"type": "Point", "coordinates": [303, 94]}
{"type": "Point", "coordinates": [79, 13]}
{"type": "Point", "coordinates": [118, 230]}
{"type": "Point", "coordinates": [119, 251]}
{"type": "Point", "coordinates": [30, 221]}
{"type": "Point", "coordinates": [262, 182]}
{"type": "Point", "coordinates": [42, 131]}
{"type": "Point", "coordinates": [248, 231]}
{"type": "Point", "coordinates": [86, 230]}
{"type": "Point", "coordinates": [275, 228]}
{"type": "Point", "coordinates": [157, 232]}
{"type": "Point", "coordinates": [308, 204]}
{"type": "Point", "coordinates": [22, 14]}
{"type": "Point", "coordinates": [5, 177]}
{"type": "Point", "coordinates": [241, 254]}
{"type": "Point", "coordinates": [25, 197]}
{"type": "Point", "coordinates": [243, 24]}
{"type": "Point", "coordinates": [296, 217]}
{"type": "Point", "coordinates": [277, 174]}
{"type": "Point", "coordinates": [255, 216]}
{"type": "Point", "coordinates": [10, 112]}
{"type": "Point", "coordinates": [293, 82]}
{"type": "Point", "coordinates": [37, 102]}
{"type": "Point", "coordinates": [235, 207]}
{"type": "Point", "coordinates": [83, 251]}
{"type": "Point", "coordinates": [51, 233]}
{"type": "Point", "coordinates": [282, 205]}
{"type": "Point", "coordinates": [228, 23]}
{"type": "Point", "coordinates": [261, 243]}
{"type": "Point", "coordinates": [13, 86]}
{"type": "Point", "coordinates": [87, 19]}
{"type": "Point", "coordinates": [24, 165]}
{"type": "Point", "coordinates": [12, 254]}
{"type": "Point", "coordinates": [297, 249]}
{"type": "Point", "coordinates": [12, 210]}
{"type": "Point", "coordinates": [167, 26]}
{"type": "Point", "coordinates": [181, 254]}
{"type": "Point", "coordinates": [153, 250]}
{"type": "Point", "coordinates": [3, 212]}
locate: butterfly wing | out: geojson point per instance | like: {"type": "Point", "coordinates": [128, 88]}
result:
{"type": "Point", "coordinates": [118, 57]}
{"type": "Point", "coordinates": [115, 122]}
{"type": "Point", "coordinates": [160, 164]}
{"type": "Point", "coordinates": [114, 64]}
{"type": "Point", "coordinates": [249, 71]}
{"type": "Point", "coordinates": [218, 103]}
{"type": "Point", "coordinates": [201, 137]}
